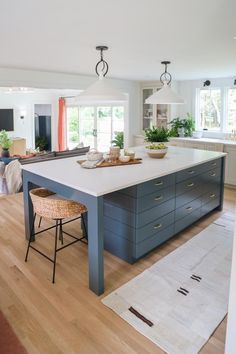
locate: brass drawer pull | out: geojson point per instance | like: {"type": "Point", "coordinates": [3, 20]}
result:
{"type": "Point", "coordinates": [189, 208]}
{"type": "Point", "coordinates": [213, 164]}
{"type": "Point", "coordinates": [212, 195]}
{"type": "Point", "coordinates": [159, 197]}
{"type": "Point", "coordinates": [158, 226]}
{"type": "Point", "coordinates": [191, 172]}
{"type": "Point", "coordinates": [213, 174]}
{"type": "Point", "coordinates": [190, 184]}
{"type": "Point", "coordinates": [159, 183]}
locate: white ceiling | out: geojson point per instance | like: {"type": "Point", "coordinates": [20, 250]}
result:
{"type": "Point", "coordinates": [55, 35]}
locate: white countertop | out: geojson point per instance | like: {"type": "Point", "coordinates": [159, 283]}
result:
{"type": "Point", "coordinates": [105, 180]}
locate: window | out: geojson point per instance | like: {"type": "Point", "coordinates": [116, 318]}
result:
{"type": "Point", "coordinates": [231, 109]}
{"type": "Point", "coordinates": [216, 109]}
{"type": "Point", "coordinates": [95, 126]}
{"type": "Point", "coordinates": [210, 109]}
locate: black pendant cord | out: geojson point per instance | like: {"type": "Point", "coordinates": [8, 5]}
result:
{"type": "Point", "coordinates": [105, 67]}
{"type": "Point", "coordinates": [166, 76]}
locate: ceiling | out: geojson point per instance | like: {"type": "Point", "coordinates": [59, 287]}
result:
{"type": "Point", "coordinates": [60, 36]}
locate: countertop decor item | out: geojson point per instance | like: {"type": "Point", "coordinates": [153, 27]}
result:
{"type": "Point", "coordinates": [124, 158]}
{"type": "Point", "coordinates": [157, 151]}
{"type": "Point", "coordinates": [101, 91]}
{"type": "Point", "coordinates": [94, 155]}
{"type": "Point", "coordinates": [112, 164]}
{"type": "Point", "coordinates": [165, 95]}
{"type": "Point", "coordinates": [156, 135]}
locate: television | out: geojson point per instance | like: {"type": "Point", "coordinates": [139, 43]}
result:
{"type": "Point", "coordinates": [7, 119]}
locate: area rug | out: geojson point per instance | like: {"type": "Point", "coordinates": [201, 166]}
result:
{"type": "Point", "coordinates": [9, 343]}
{"type": "Point", "coordinates": [179, 301]}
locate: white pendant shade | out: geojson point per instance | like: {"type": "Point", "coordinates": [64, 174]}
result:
{"type": "Point", "coordinates": [101, 92]}
{"type": "Point", "coordinates": [164, 96]}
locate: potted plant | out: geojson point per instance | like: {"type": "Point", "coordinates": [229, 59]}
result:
{"type": "Point", "coordinates": [118, 140]}
{"type": "Point", "coordinates": [5, 143]}
{"type": "Point", "coordinates": [182, 127]}
{"type": "Point", "coordinates": [41, 143]}
{"type": "Point", "coordinates": [157, 136]}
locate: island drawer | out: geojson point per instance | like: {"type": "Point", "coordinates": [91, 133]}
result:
{"type": "Point", "coordinates": [210, 196]}
{"type": "Point", "coordinates": [189, 196]}
{"type": "Point", "coordinates": [212, 164]}
{"type": "Point", "coordinates": [153, 214]}
{"type": "Point", "coordinates": [207, 207]}
{"type": "Point", "coordinates": [211, 177]}
{"type": "Point", "coordinates": [153, 199]}
{"type": "Point", "coordinates": [141, 219]}
{"type": "Point", "coordinates": [123, 230]}
{"type": "Point", "coordinates": [155, 227]}
{"type": "Point", "coordinates": [188, 185]}
{"type": "Point", "coordinates": [181, 224]}
{"type": "Point", "coordinates": [155, 185]}
{"type": "Point", "coordinates": [155, 240]}
{"type": "Point", "coordinates": [187, 209]}
{"type": "Point", "coordinates": [189, 173]}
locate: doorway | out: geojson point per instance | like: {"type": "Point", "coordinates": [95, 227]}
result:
{"type": "Point", "coordinates": [94, 126]}
{"type": "Point", "coordinates": [43, 129]}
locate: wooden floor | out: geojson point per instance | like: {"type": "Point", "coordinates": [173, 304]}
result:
{"type": "Point", "coordinates": [67, 317]}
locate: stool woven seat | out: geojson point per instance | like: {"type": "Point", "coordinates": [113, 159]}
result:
{"type": "Point", "coordinates": [50, 205]}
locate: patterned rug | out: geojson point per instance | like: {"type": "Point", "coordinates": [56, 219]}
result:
{"type": "Point", "coordinates": [179, 301]}
{"type": "Point", "coordinates": [9, 343]}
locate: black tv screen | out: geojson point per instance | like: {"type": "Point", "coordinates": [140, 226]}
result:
{"type": "Point", "coordinates": [7, 119]}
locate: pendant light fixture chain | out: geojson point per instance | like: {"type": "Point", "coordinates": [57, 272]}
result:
{"type": "Point", "coordinates": [166, 76]}
{"type": "Point", "coordinates": [105, 67]}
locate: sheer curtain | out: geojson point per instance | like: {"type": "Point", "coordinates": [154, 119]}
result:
{"type": "Point", "coordinates": [61, 124]}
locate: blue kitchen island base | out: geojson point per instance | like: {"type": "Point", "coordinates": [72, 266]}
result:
{"type": "Point", "coordinates": [140, 218]}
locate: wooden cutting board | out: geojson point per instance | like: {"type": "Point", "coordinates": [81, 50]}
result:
{"type": "Point", "coordinates": [117, 163]}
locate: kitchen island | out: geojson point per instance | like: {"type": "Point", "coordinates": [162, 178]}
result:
{"type": "Point", "coordinates": [134, 207]}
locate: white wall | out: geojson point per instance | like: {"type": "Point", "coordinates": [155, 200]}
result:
{"type": "Point", "coordinates": [40, 79]}
{"type": "Point", "coordinates": [230, 347]}
{"type": "Point", "coordinates": [23, 103]}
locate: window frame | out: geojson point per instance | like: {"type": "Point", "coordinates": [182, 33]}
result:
{"type": "Point", "coordinates": [224, 109]}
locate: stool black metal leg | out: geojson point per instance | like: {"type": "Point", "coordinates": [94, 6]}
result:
{"type": "Point", "coordinates": [61, 232]}
{"type": "Point", "coordinates": [84, 227]}
{"type": "Point", "coordinates": [31, 238]}
{"type": "Point", "coordinates": [55, 253]}
{"type": "Point", "coordinates": [40, 220]}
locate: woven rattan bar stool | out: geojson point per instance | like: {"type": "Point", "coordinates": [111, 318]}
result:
{"type": "Point", "coordinates": [49, 205]}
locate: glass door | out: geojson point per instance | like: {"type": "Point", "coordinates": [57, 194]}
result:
{"type": "Point", "coordinates": [94, 126]}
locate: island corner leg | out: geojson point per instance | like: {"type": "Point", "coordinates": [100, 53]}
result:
{"type": "Point", "coordinates": [96, 245]}
{"type": "Point", "coordinates": [28, 206]}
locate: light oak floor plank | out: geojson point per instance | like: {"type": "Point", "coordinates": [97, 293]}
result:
{"type": "Point", "coordinates": [67, 317]}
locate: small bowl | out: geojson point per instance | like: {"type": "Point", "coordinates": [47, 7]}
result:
{"type": "Point", "coordinates": [124, 158]}
{"type": "Point", "coordinates": [130, 153]}
{"type": "Point", "coordinates": [197, 134]}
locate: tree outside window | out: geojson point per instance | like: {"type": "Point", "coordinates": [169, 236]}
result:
{"type": "Point", "coordinates": [210, 109]}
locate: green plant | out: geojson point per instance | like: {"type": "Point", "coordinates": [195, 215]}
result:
{"type": "Point", "coordinates": [118, 140]}
{"type": "Point", "coordinates": [5, 141]}
{"type": "Point", "coordinates": [175, 124]}
{"type": "Point", "coordinates": [156, 134]}
{"type": "Point", "coordinates": [41, 143]}
{"type": "Point", "coordinates": [187, 123]}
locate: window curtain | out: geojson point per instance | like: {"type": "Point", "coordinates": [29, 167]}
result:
{"type": "Point", "coordinates": [61, 124]}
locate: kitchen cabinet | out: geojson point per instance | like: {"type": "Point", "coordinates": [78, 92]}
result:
{"type": "Point", "coordinates": [153, 114]}
{"type": "Point", "coordinates": [139, 218]}
{"type": "Point", "coordinates": [230, 168]}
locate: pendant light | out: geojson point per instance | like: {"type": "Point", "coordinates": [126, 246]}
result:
{"type": "Point", "coordinates": [101, 91]}
{"type": "Point", "coordinates": [165, 95]}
